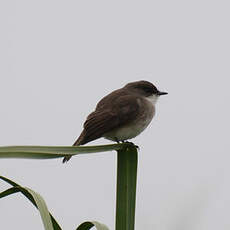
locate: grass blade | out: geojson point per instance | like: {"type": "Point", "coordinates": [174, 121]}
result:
{"type": "Point", "coordinates": [42, 207]}
{"type": "Point", "coordinates": [9, 191]}
{"type": "Point", "coordinates": [48, 220]}
{"type": "Point", "coordinates": [126, 188]}
{"type": "Point", "coordinates": [48, 152]}
{"type": "Point", "coordinates": [89, 224]}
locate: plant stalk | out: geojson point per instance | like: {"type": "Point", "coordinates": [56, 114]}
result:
{"type": "Point", "coordinates": [126, 188]}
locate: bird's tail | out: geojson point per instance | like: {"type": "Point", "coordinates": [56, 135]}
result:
{"type": "Point", "coordinates": [76, 143]}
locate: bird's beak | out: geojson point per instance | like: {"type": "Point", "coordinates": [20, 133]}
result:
{"type": "Point", "coordinates": [161, 93]}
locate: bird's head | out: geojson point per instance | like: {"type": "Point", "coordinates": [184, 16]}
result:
{"type": "Point", "coordinates": [145, 89]}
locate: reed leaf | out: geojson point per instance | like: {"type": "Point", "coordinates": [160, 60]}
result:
{"type": "Point", "coordinates": [48, 152]}
{"type": "Point", "coordinates": [35, 199]}
{"type": "Point", "coordinates": [89, 224]}
{"type": "Point", "coordinates": [48, 220]}
{"type": "Point", "coordinates": [126, 180]}
{"type": "Point", "coordinates": [126, 188]}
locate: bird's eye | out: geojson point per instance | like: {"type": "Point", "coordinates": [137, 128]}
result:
{"type": "Point", "coordinates": [148, 90]}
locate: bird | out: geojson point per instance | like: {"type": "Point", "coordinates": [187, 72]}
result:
{"type": "Point", "coordinates": [121, 115]}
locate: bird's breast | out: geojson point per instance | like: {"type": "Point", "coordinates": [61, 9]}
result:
{"type": "Point", "coordinates": [134, 128]}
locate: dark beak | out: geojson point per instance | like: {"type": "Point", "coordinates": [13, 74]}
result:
{"type": "Point", "coordinates": [161, 93]}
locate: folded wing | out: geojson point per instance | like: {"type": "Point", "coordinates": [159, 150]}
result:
{"type": "Point", "coordinates": [121, 111]}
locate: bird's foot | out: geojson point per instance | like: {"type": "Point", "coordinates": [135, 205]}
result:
{"type": "Point", "coordinates": [129, 142]}
{"type": "Point", "coordinates": [116, 139]}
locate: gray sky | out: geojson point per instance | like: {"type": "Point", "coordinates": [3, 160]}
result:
{"type": "Point", "coordinates": [58, 58]}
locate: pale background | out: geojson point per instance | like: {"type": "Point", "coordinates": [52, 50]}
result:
{"type": "Point", "coordinates": [58, 58]}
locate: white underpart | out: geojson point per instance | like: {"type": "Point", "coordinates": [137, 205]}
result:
{"type": "Point", "coordinates": [131, 131]}
{"type": "Point", "coordinates": [153, 99]}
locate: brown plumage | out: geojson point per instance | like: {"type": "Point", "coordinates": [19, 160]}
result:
{"type": "Point", "coordinates": [125, 109]}
{"type": "Point", "coordinates": [106, 117]}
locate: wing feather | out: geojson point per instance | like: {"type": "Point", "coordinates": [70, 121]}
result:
{"type": "Point", "coordinates": [111, 116]}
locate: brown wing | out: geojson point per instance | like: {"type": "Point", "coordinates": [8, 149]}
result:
{"type": "Point", "coordinates": [113, 115]}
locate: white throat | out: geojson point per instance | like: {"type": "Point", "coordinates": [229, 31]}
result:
{"type": "Point", "coordinates": [153, 99]}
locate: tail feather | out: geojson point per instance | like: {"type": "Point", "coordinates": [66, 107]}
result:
{"type": "Point", "coordinates": [76, 143]}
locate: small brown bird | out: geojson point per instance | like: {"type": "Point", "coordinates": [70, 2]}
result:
{"type": "Point", "coordinates": [122, 114]}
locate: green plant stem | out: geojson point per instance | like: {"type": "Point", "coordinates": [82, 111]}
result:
{"type": "Point", "coordinates": [126, 188]}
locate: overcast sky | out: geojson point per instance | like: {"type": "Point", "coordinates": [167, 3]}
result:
{"type": "Point", "coordinates": [58, 58]}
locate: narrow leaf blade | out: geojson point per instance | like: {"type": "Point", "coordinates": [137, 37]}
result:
{"type": "Point", "coordinates": [48, 152]}
{"type": "Point", "coordinates": [29, 194]}
{"type": "Point", "coordinates": [43, 209]}
{"type": "Point", "coordinates": [126, 188]}
{"type": "Point", "coordinates": [89, 224]}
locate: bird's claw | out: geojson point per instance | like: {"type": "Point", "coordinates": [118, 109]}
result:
{"type": "Point", "coordinates": [131, 143]}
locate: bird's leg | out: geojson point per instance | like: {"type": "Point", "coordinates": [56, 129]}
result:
{"type": "Point", "coordinates": [129, 142]}
{"type": "Point", "coordinates": [118, 142]}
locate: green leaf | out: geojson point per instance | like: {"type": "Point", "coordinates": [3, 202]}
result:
{"type": "Point", "coordinates": [126, 188]}
{"type": "Point", "coordinates": [48, 220]}
{"type": "Point", "coordinates": [89, 224]}
{"type": "Point", "coordinates": [48, 152]}
{"type": "Point", "coordinates": [42, 207]}
{"type": "Point", "coordinates": [38, 202]}
{"type": "Point", "coordinates": [126, 180]}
